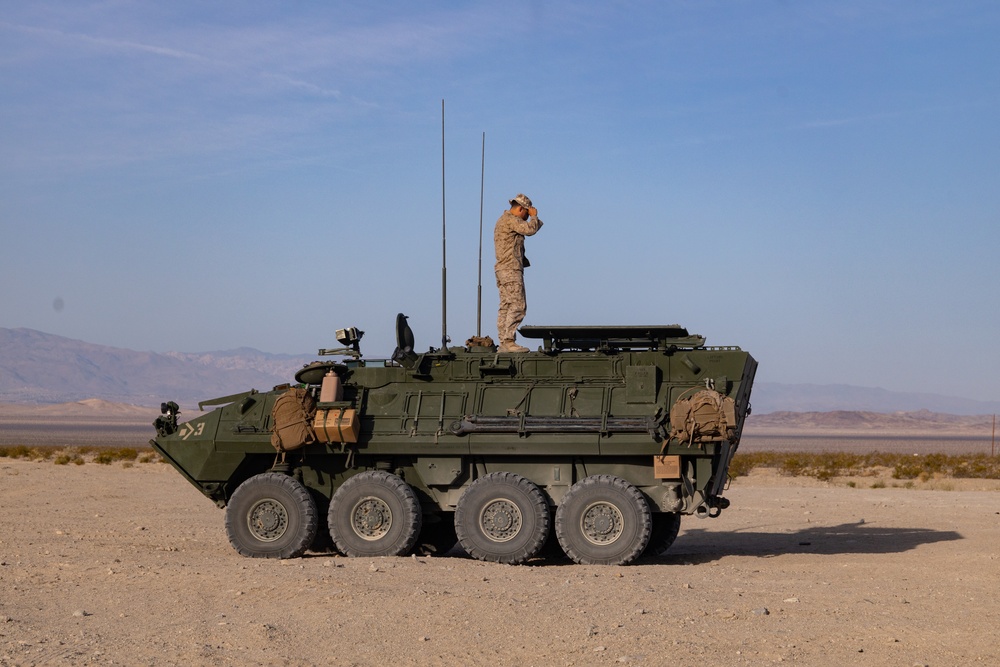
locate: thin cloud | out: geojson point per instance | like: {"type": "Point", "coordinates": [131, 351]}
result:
{"type": "Point", "coordinates": [306, 86]}
{"type": "Point", "coordinates": [105, 42]}
{"type": "Point", "coordinates": [299, 55]}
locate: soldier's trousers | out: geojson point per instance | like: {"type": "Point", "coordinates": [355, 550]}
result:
{"type": "Point", "coordinates": [513, 306]}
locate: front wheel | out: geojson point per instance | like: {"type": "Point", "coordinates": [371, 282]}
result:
{"type": "Point", "coordinates": [603, 520]}
{"type": "Point", "coordinates": [271, 515]}
{"type": "Point", "coordinates": [374, 513]}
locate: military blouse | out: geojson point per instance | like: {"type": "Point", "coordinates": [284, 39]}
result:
{"type": "Point", "coordinates": [508, 239]}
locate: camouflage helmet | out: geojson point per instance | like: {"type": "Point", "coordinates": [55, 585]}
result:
{"type": "Point", "coordinates": [521, 200]}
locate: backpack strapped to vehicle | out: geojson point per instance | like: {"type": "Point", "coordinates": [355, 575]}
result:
{"type": "Point", "coordinates": [704, 417]}
{"type": "Point", "coordinates": [293, 413]}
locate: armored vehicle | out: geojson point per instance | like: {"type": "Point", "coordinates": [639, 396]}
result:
{"type": "Point", "coordinates": [598, 442]}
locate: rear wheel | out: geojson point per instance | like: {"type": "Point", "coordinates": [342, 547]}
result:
{"type": "Point", "coordinates": [603, 520]}
{"type": "Point", "coordinates": [374, 513]}
{"type": "Point", "coordinates": [271, 516]}
{"type": "Point", "coordinates": [666, 525]}
{"type": "Point", "coordinates": [503, 518]}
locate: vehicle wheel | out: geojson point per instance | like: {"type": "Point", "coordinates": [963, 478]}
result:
{"type": "Point", "coordinates": [503, 518]}
{"type": "Point", "coordinates": [271, 516]}
{"type": "Point", "coordinates": [666, 525]}
{"type": "Point", "coordinates": [374, 513]}
{"type": "Point", "coordinates": [437, 538]}
{"type": "Point", "coordinates": [603, 520]}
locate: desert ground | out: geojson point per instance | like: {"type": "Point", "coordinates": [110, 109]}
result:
{"type": "Point", "coordinates": [108, 564]}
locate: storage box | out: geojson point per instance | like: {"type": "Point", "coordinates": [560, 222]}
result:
{"type": "Point", "coordinates": [667, 467]}
{"type": "Point", "coordinates": [337, 425]}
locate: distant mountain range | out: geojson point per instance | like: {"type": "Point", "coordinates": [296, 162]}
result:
{"type": "Point", "coordinates": [37, 367]}
{"type": "Point", "coordinates": [768, 397]}
{"type": "Point", "coordinates": [41, 368]}
{"type": "Point", "coordinates": [855, 423]}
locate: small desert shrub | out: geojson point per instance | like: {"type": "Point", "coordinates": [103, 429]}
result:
{"type": "Point", "coordinates": [17, 452]}
{"type": "Point", "coordinates": [968, 466]}
{"type": "Point", "coordinates": [909, 469]}
{"type": "Point", "coordinates": [108, 456]}
{"type": "Point", "coordinates": [827, 465]}
{"type": "Point", "coordinates": [104, 458]}
{"type": "Point", "coordinates": [794, 464]}
{"type": "Point", "coordinates": [69, 455]}
{"type": "Point", "coordinates": [78, 455]}
{"type": "Point", "coordinates": [878, 484]}
{"type": "Point", "coordinates": [743, 463]}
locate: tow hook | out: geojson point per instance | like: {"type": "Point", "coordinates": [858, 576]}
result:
{"type": "Point", "coordinates": [711, 508]}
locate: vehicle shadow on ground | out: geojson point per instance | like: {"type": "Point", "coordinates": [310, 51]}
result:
{"type": "Point", "coordinates": [700, 545]}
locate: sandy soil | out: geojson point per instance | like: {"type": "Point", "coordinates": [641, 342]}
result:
{"type": "Point", "coordinates": [112, 565]}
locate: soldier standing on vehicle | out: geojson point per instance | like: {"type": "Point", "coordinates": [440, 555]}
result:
{"type": "Point", "coordinates": [508, 238]}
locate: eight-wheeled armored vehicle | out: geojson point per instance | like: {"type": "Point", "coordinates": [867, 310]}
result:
{"type": "Point", "coordinates": [599, 441]}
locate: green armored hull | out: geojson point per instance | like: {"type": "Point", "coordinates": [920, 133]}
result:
{"type": "Point", "coordinates": [604, 438]}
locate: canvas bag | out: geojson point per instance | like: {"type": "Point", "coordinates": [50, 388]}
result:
{"type": "Point", "coordinates": [293, 413]}
{"type": "Point", "coordinates": [707, 415]}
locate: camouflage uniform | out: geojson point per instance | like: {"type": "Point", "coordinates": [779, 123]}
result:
{"type": "Point", "coordinates": [508, 239]}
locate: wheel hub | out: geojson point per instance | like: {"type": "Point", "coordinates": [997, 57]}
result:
{"type": "Point", "coordinates": [371, 518]}
{"type": "Point", "coordinates": [602, 523]}
{"type": "Point", "coordinates": [501, 520]}
{"type": "Point", "coordinates": [267, 520]}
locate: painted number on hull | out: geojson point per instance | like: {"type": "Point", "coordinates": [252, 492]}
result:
{"type": "Point", "coordinates": [187, 430]}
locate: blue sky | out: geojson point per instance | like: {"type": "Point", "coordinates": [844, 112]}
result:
{"type": "Point", "coordinates": [816, 182]}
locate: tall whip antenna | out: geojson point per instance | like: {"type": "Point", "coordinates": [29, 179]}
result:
{"type": "Point", "coordinates": [479, 295]}
{"type": "Point", "coordinates": [444, 249]}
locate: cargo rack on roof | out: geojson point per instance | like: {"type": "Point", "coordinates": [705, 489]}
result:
{"type": "Point", "coordinates": [610, 338]}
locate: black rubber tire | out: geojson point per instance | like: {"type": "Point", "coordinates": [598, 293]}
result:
{"type": "Point", "coordinates": [666, 525]}
{"type": "Point", "coordinates": [271, 515]}
{"type": "Point", "coordinates": [437, 538]}
{"type": "Point", "coordinates": [603, 520]}
{"type": "Point", "coordinates": [502, 518]}
{"type": "Point", "coordinates": [374, 513]}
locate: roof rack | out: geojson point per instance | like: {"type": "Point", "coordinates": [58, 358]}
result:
{"type": "Point", "coordinates": [610, 338]}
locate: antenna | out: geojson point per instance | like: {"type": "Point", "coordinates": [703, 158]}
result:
{"type": "Point", "coordinates": [479, 294]}
{"type": "Point", "coordinates": [444, 249]}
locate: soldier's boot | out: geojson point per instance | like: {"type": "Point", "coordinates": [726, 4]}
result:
{"type": "Point", "coordinates": [511, 346]}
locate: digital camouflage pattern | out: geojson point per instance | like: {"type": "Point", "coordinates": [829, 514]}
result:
{"type": "Point", "coordinates": [508, 241]}
{"type": "Point", "coordinates": [513, 305]}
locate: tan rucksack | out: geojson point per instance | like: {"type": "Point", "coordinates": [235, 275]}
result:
{"type": "Point", "coordinates": [705, 416]}
{"type": "Point", "coordinates": [293, 413]}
